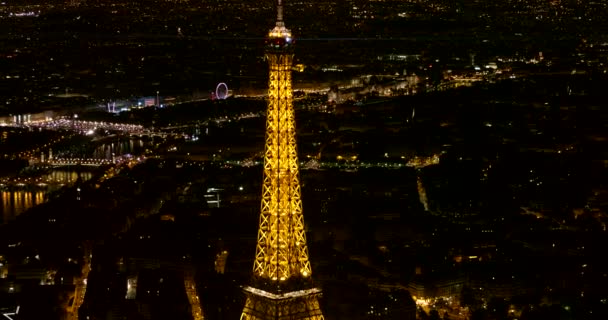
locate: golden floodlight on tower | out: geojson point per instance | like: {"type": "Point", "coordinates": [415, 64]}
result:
{"type": "Point", "coordinates": [281, 284]}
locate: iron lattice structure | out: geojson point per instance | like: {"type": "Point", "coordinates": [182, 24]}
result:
{"type": "Point", "coordinates": [282, 287]}
{"type": "Point", "coordinates": [281, 251]}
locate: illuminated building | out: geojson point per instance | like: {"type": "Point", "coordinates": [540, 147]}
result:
{"type": "Point", "coordinates": [281, 287]}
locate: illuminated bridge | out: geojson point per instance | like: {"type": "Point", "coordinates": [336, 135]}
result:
{"type": "Point", "coordinates": [62, 162]}
{"type": "Point", "coordinates": [91, 162]}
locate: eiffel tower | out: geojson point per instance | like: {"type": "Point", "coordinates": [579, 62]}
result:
{"type": "Point", "coordinates": [281, 286]}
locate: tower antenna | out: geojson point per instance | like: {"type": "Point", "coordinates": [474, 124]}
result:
{"type": "Point", "coordinates": [280, 12]}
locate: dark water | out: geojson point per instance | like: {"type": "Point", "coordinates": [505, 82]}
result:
{"type": "Point", "coordinates": [120, 147]}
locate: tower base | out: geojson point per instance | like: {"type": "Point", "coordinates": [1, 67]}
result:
{"type": "Point", "coordinates": [294, 305]}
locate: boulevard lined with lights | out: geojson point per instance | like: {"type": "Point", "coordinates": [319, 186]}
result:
{"type": "Point", "coordinates": [84, 127]}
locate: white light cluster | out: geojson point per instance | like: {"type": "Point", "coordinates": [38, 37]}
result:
{"type": "Point", "coordinates": [292, 294]}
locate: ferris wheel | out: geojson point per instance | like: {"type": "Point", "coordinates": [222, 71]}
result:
{"type": "Point", "coordinates": [221, 91]}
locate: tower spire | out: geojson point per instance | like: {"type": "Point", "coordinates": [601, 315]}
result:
{"type": "Point", "coordinates": [280, 12]}
{"type": "Point", "coordinates": [279, 30]}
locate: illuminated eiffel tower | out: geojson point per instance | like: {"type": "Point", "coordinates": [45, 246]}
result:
{"type": "Point", "coordinates": [281, 287]}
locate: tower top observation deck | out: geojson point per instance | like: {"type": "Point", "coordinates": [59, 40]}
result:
{"type": "Point", "coordinates": [280, 32]}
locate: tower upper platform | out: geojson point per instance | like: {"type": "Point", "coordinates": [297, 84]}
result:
{"type": "Point", "coordinates": [279, 31]}
{"type": "Point", "coordinates": [279, 38]}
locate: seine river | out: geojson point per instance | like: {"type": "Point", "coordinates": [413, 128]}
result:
{"type": "Point", "coordinates": [119, 147]}
{"type": "Point", "coordinates": [17, 201]}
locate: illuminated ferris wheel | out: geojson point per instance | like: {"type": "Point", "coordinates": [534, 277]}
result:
{"type": "Point", "coordinates": [221, 91]}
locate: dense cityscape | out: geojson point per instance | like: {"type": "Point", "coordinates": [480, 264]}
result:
{"type": "Point", "coordinates": [303, 160]}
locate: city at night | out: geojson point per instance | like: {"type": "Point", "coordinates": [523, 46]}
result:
{"type": "Point", "coordinates": [293, 160]}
